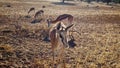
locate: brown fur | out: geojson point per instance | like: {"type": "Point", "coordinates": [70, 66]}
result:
{"type": "Point", "coordinates": [62, 17]}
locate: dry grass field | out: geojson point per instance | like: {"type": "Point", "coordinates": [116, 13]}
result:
{"type": "Point", "coordinates": [22, 45]}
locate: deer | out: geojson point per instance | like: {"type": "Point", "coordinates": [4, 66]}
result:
{"type": "Point", "coordinates": [58, 40]}
{"type": "Point", "coordinates": [31, 9]}
{"type": "Point", "coordinates": [40, 12]}
{"type": "Point", "coordinates": [62, 17]}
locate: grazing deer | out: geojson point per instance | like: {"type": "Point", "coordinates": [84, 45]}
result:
{"type": "Point", "coordinates": [60, 18]}
{"type": "Point", "coordinates": [31, 9]}
{"type": "Point", "coordinates": [40, 12]}
{"type": "Point", "coordinates": [58, 39]}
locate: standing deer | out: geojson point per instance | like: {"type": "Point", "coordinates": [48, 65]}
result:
{"type": "Point", "coordinates": [58, 39]}
{"type": "Point", "coordinates": [61, 18]}
{"type": "Point", "coordinates": [31, 9]}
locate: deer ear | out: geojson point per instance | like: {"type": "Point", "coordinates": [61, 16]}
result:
{"type": "Point", "coordinates": [69, 27]}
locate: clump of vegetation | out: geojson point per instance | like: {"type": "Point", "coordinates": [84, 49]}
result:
{"type": "Point", "coordinates": [6, 51]}
{"type": "Point", "coordinates": [6, 54]}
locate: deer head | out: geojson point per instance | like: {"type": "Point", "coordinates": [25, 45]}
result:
{"type": "Point", "coordinates": [62, 32]}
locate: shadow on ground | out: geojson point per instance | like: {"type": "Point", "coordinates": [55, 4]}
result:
{"type": "Point", "coordinates": [72, 43]}
{"type": "Point", "coordinates": [27, 16]}
{"type": "Point", "coordinates": [61, 3]}
{"type": "Point", "coordinates": [36, 21]}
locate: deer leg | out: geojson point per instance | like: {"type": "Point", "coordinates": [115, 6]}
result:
{"type": "Point", "coordinates": [63, 61]}
{"type": "Point", "coordinates": [61, 58]}
{"type": "Point", "coordinates": [71, 36]}
{"type": "Point", "coordinates": [68, 36]}
{"type": "Point", "coordinates": [53, 56]}
{"type": "Point", "coordinates": [64, 65]}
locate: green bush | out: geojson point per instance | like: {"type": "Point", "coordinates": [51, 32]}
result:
{"type": "Point", "coordinates": [116, 1]}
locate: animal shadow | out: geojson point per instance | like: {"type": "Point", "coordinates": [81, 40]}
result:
{"type": "Point", "coordinates": [8, 5]}
{"type": "Point", "coordinates": [46, 39]}
{"type": "Point", "coordinates": [61, 3]}
{"type": "Point", "coordinates": [36, 21]}
{"type": "Point", "coordinates": [27, 16]}
{"type": "Point", "coordinates": [72, 43]}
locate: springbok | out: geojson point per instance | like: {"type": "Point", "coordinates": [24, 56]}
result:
{"type": "Point", "coordinates": [40, 12]}
{"type": "Point", "coordinates": [31, 9]}
{"type": "Point", "coordinates": [58, 39]}
{"type": "Point", "coordinates": [60, 18]}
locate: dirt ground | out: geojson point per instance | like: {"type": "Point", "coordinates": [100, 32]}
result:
{"type": "Point", "coordinates": [22, 42]}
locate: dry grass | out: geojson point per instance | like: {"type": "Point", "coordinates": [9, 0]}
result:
{"type": "Point", "coordinates": [98, 44]}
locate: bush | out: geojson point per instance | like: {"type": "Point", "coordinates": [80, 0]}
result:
{"type": "Point", "coordinates": [116, 1]}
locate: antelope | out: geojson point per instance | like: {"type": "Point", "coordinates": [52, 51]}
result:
{"type": "Point", "coordinates": [39, 12]}
{"type": "Point", "coordinates": [58, 39]}
{"type": "Point", "coordinates": [31, 9]}
{"type": "Point", "coordinates": [60, 18]}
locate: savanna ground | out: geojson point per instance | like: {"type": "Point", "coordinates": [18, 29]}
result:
{"type": "Point", "coordinates": [22, 46]}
